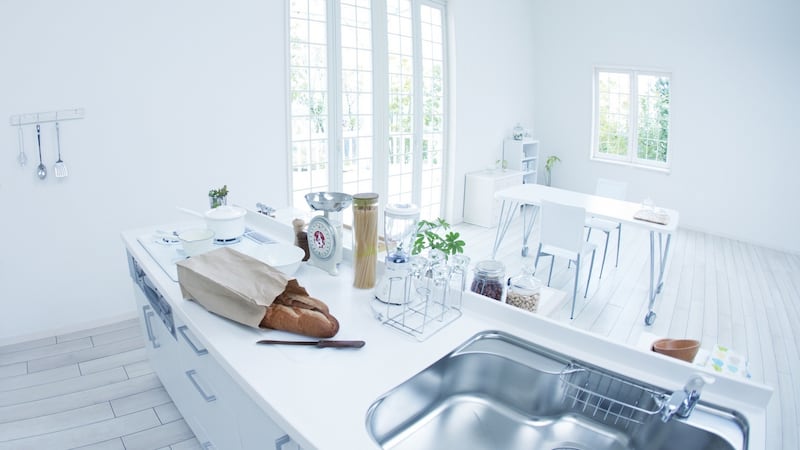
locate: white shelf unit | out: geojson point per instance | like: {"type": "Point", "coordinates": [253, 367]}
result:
{"type": "Point", "coordinates": [480, 206]}
{"type": "Point", "coordinates": [523, 156]}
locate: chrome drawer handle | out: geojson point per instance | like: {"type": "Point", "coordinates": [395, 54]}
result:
{"type": "Point", "coordinates": [192, 374]}
{"type": "Point", "coordinates": [200, 352]}
{"type": "Point", "coordinates": [147, 315]}
{"type": "Point", "coordinates": [281, 441]}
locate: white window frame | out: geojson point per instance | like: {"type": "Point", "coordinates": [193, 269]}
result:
{"type": "Point", "coordinates": [380, 103]}
{"type": "Point", "coordinates": [631, 157]}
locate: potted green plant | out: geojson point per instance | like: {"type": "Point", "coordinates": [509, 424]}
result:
{"type": "Point", "coordinates": [435, 235]}
{"type": "Point", "coordinates": [218, 197]}
{"type": "Point", "coordinates": [548, 167]}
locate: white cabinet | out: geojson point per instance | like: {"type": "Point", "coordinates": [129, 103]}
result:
{"type": "Point", "coordinates": [214, 406]}
{"type": "Point", "coordinates": [523, 156]}
{"type": "Point", "coordinates": [480, 206]}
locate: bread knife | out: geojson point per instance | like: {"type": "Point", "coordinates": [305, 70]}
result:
{"type": "Point", "coordinates": [319, 344]}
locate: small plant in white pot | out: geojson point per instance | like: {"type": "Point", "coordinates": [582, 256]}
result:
{"type": "Point", "coordinates": [548, 167]}
{"type": "Point", "coordinates": [218, 197]}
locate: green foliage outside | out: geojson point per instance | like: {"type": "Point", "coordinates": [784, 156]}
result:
{"type": "Point", "coordinates": [654, 122]}
{"type": "Point", "coordinates": [653, 117]}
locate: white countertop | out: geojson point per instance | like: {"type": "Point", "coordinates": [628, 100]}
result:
{"type": "Point", "coordinates": [321, 396]}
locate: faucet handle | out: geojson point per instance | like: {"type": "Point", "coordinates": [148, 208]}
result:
{"type": "Point", "coordinates": [697, 381]}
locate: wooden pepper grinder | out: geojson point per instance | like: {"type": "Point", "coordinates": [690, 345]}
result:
{"type": "Point", "coordinates": [300, 237]}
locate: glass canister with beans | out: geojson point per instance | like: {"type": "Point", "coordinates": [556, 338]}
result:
{"type": "Point", "coordinates": [489, 279]}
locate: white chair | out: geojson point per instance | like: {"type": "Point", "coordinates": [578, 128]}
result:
{"type": "Point", "coordinates": [612, 189]}
{"type": "Point", "coordinates": [562, 235]}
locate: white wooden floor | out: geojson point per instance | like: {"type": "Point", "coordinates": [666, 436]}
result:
{"type": "Point", "coordinates": [94, 389]}
{"type": "Point", "coordinates": [716, 290]}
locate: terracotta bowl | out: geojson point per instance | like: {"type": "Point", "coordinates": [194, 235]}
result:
{"type": "Point", "coordinates": [684, 349]}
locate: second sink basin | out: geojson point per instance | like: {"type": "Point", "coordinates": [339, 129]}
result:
{"type": "Point", "coordinates": [497, 391]}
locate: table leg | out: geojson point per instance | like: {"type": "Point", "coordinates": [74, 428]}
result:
{"type": "Point", "coordinates": [656, 286]}
{"type": "Point", "coordinates": [660, 284]}
{"type": "Point", "coordinates": [507, 211]}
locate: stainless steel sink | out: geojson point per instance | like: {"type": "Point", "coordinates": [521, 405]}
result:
{"type": "Point", "coordinates": [497, 391]}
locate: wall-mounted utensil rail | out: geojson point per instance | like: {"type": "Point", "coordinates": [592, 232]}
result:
{"type": "Point", "coordinates": [48, 116]}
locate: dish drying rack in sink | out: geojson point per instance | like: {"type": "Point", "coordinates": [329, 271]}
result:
{"type": "Point", "coordinates": [431, 294]}
{"type": "Point", "coordinates": [608, 398]}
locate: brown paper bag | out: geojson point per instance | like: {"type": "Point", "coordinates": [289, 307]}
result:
{"type": "Point", "coordinates": [248, 291]}
{"type": "Point", "coordinates": [232, 284]}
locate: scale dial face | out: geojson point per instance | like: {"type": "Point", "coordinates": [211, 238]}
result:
{"type": "Point", "coordinates": [321, 238]}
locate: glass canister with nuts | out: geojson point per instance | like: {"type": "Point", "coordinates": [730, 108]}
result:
{"type": "Point", "coordinates": [524, 290]}
{"type": "Point", "coordinates": [489, 279]}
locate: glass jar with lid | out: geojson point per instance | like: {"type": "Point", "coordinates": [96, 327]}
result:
{"type": "Point", "coordinates": [489, 279]}
{"type": "Point", "coordinates": [524, 290]}
{"type": "Point", "coordinates": [365, 239]}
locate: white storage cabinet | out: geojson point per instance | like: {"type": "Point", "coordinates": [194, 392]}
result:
{"type": "Point", "coordinates": [523, 156]}
{"type": "Point", "coordinates": [480, 207]}
{"type": "Point", "coordinates": [217, 410]}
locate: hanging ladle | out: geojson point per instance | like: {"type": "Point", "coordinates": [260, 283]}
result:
{"type": "Point", "coordinates": [41, 170]}
{"type": "Point", "coordinates": [22, 157]}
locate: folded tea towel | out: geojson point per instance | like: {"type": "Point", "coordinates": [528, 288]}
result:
{"type": "Point", "coordinates": [649, 215]}
{"type": "Point", "coordinates": [724, 360]}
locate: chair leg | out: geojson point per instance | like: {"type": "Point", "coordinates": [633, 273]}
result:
{"type": "Point", "coordinates": [619, 239]}
{"type": "Point", "coordinates": [552, 263]}
{"type": "Point", "coordinates": [536, 262]}
{"type": "Point", "coordinates": [575, 285]}
{"type": "Point", "coordinates": [589, 279]}
{"type": "Point", "coordinates": [605, 252]}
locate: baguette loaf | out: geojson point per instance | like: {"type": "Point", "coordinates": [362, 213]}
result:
{"type": "Point", "coordinates": [300, 314]}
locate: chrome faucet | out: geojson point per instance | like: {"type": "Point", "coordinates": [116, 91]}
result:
{"type": "Point", "coordinates": [682, 403]}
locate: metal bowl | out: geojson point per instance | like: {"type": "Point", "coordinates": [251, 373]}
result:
{"type": "Point", "coordinates": [329, 201]}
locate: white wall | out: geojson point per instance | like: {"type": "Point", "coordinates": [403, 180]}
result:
{"type": "Point", "coordinates": [492, 73]}
{"type": "Point", "coordinates": [734, 65]}
{"type": "Point", "coordinates": [180, 97]}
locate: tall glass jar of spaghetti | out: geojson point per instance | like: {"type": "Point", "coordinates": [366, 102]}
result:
{"type": "Point", "coordinates": [365, 239]}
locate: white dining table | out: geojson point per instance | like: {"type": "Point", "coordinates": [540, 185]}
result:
{"type": "Point", "coordinates": [531, 196]}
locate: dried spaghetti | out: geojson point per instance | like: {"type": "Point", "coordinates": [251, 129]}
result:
{"type": "Point", "coordinates": [365, 239]}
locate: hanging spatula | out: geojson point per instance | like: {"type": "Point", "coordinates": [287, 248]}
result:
{"type": "Point", "coordinates": [60, 169]}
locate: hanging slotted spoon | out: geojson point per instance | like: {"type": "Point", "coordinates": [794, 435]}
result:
{"type": "Point", "coordinates": [22, 158]}
{"type": "Point", "coordinates": [41, 170]}
{"type": "Point", "coordinates": [60, 169]}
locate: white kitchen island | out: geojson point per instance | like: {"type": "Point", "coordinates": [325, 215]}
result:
{"type": "Point", "coordinates": [320, 397]}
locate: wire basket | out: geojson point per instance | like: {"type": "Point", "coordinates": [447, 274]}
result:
{"type": "Point", "coordinates": [610, 399]}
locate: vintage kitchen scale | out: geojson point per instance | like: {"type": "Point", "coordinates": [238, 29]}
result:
{"type": "Point", "coordinates": [325, 232]}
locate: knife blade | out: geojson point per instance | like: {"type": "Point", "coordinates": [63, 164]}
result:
{"type": "Point", "coordinates": [319, 344]}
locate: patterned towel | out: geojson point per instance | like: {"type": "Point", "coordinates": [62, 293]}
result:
{"type": "Point", "coordinates": [724, 360]}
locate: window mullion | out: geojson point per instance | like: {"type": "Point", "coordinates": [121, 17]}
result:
{"type": "Point", "coordinates": [633, 118]}
{"type": "Point", "coordinates": [380, 99]}
{"type": "Point", "coordinates": [334, 97]}
{"type": "Point", "coordinates": [418, 106]}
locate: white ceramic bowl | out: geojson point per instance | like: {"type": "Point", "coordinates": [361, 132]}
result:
{"type": "Point", "coordinates": [196, 240]}
{"type": "Point", "coordinates": [284, 257]}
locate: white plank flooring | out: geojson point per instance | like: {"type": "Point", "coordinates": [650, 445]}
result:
{"type": "Point", "coordinates": [91, 389]}
{"type": "Point", "coordinates": [94, 389]}
{"type": "Point", "coordinates": [716, 290]}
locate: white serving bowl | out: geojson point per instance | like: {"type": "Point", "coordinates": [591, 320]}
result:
{"type": "Point", "coordinates": [196, 240]}
{"type": "Point", "coordinates": [284, 257]}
